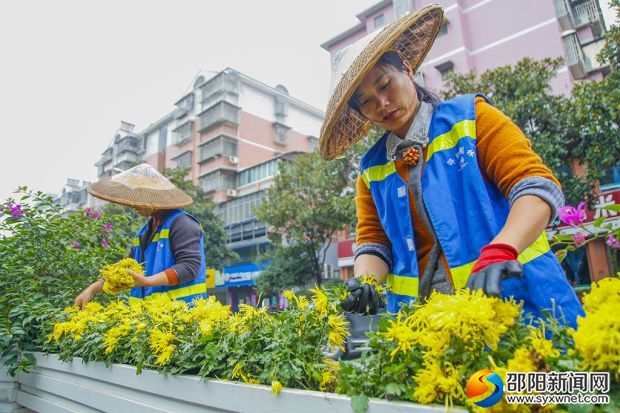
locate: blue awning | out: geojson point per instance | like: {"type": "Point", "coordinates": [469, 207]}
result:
{"type": "Point", "coordinates": [241, 275]}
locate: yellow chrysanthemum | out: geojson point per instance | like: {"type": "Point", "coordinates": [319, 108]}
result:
{"type": "Point", "coordinates": [402, 334]}
{"type": "Point", "coordinates": [602, 291]}
{"type": "Point", "coordinates": [435, 382]}
{"type": "Point", "coordinates": [161, 344]}
{"type": "Point", "coordinates": [276, 387]}
{"type": "Point", "coordinates": [337, 331]}
{"type": "Point", "coordinates": [321, 302]}
{"type": "Point", "coordinates": [541, 345]}
{"type": "Point", "coordinates": [116, 278]}
{"type": "Point", "coordinates": [371, 280]}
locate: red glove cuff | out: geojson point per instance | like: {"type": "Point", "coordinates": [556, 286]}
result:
{"type": "Point", "coordinates": [494, 253]}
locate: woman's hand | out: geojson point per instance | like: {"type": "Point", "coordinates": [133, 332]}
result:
{"type": "Point", "coordinates": [87, 295]}
{"type": "Point", "coordinates": [140, 280]}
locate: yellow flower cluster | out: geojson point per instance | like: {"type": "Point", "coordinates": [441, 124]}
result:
{"type": "Point", "coordinates": [435, 381]}
{"type": "Point", "coordinates": [597, 338]}
{"type": "Point", "coordinates": [116, 277]}
{"type": "Point", "coordinates": [371, 280]}
{"type": "Point", "coordinates": [470, 316]}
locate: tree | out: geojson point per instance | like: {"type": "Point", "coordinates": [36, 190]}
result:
{"type": "Point", "coordinates": [308, 203]}
{"type": "Point", "coordinates": [561, 128]}
{"type": "Point", "coordinates": [289, 265]}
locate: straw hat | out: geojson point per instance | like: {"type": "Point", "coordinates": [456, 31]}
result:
{"type": "Point", "coordinates": [410, 36]}
{"type": "Point", "coordinates": [140, 186]}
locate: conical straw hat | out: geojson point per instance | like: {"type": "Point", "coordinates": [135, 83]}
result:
{"type": "Point", "coordinates": [410, 36]}
{"type": "Point", "coordinates": [140, 186]}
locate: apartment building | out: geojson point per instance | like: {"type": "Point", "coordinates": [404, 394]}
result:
{"type": "Point", "coordinates": [477, 35]}
{"type": "Point", "coordinates": [232, 131]}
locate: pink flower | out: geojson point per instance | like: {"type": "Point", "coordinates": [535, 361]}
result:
{"type": "Point", "coordinates": [75, 245]}
{"type": "Point", "coordinates": [95, 215]}
{"type": "Point", "coordinates": [571, 216]}
{"type": "Point", "coordinates": [15, 210]}
{"type": "Point", "coordinates": [88, 211]}
{"type": "Point", "coordinates": [612, 241]}
{"type": "Point", "coordinates": [579, 239]}
{"type": "Point", "coordinates": [105, 244]}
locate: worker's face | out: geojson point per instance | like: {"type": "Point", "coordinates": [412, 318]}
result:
{"type": "Point", "coordinates": [387, 97]}
{"type": "Point", "coordinates": [144, 211]}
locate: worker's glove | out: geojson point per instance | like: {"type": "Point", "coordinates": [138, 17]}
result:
{"type": "Point", "coordinates": [363, 298]}
{"type": "Point", "coordinates": [496, 263]}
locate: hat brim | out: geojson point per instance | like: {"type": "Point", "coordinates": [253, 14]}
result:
{"type": "Point", "coordinates": [118, 193]}
{"type": "Point", "coordinates": [411, 37]}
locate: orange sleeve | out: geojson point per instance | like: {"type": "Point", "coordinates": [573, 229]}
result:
{"type": "Point", "coordinates": [171, 274]}
{"type": "Point", "coordinates": [505, 155]}
{"type": "Point", "coordinates": [369, 228]}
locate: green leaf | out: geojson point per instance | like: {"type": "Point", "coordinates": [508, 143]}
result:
{"type": "Point", "coordinates": [393, 389]}
{"type": "Point", "coordinates": [359, 404]}
{"type": "Point", "coordinates": [614, 207]}
{"type": "Point", "coordinates": [598, 222]}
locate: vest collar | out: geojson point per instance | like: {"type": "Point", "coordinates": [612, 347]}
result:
{"type": "Point", "coordinates": [417, 133]}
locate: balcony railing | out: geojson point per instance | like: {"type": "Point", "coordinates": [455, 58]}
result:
{"type": "Point", "coordinates": [576, 61]}
{"type": "Point", "coordinates": [222, 145]}
{"type": "Point", "coordinates": [222, 112]}
{"type": "Point", "coordinates": [585, 13]}
{"type": "Point", "coordinates": [182, 133]}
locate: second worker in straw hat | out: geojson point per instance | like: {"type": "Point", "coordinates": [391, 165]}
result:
{"type": "Point", "coordinates": [170, 245]}
{"type": "Point", "coordinates": [451, 195]}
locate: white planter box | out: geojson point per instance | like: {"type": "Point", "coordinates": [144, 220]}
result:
{"type": "Point", "coordinates": [8, 393]}
{"type": "Point", "coordinates": [56, 387]}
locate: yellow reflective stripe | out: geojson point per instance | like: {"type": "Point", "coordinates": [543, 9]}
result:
{"type": "Point", "coordinates": [187, 291]}
{"type": "Point", "coordinates": [378, 173]}
{"type": "Point", "coordinates": [538, 248]}
{"type": "Point", "coordinates": [403, 285]}
{"type": "Point", "coordinates": [163, 234]}
{"type": "Point", "coordinates": [449, 139]}
{"type": "Point", "coordinates": [136, 242]}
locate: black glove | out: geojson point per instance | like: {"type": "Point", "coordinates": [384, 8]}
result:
{"type": "Point", "coordinates": [363, 298]}
{"type": "Point", "coordinates": [489, 278]}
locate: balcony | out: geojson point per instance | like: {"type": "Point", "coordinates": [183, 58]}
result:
{"type": "Point", "coordinates": [280, 133]}
{"type": "Point", "coordinates": [218, 180]}
{"type": "Point", "coordinates": [222, 112]}
{"type": "Point", "coordinates": [222, 88]}
{"type": "Point", "coordinates": [222, 145]}
{"type": "Point", "coordinates": [183, 160]}
{"type": "Point", "coordinates": [578, 64]}
{"type": "Point", "coordinates": [573, 15]}
{"type": "Point", "coordinates": [182, 133]}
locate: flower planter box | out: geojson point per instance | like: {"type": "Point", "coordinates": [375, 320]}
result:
{"type": "Point", "coordinates": [56, 386]}
{"type": "Point", "coordinates": [8, 393]}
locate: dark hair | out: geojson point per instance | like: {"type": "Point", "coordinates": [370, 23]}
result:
{"type": "Point", "coordinates": [392, 58]}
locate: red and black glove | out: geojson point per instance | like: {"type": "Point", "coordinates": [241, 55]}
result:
{"type": "Point", "coordinates": [496, 263]}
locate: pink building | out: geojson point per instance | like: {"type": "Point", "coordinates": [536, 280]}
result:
{"type": "Point", "coordinates": [483, 34]}
{"type": "Point", "coordinates": [231, 131]}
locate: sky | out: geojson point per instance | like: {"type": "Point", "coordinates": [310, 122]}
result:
{"type": "Point", "coordinates": [71, 70]}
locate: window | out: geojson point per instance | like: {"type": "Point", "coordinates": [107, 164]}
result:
{"type": "Point", "coordinates": [222, 112]}
{"type": "Point", "coordinates": [184, 160]}
{"type": "Point", "coordinates": [182, 133]}
{"type": "Point", "coordinates": [221, 145]}
{"type": "Point", "coordinates": [443, 29]}
{"type": "Point", "coordinates": [240, 210]}
{"type": "Point", "coordinates": [445, 68]}
{"type": "Point", "coordinates": [379, 21]}
{"type": "Point", "coordinates": [258, 172]}
{"type": "Point", "coordinates": [217, 180]}
{"type": "Point", "coordinates": [280, 133]}
{"type": "Point", "coordinates": [611, 177]}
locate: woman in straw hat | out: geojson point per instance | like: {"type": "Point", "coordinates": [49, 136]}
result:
{"type": "Point", "coordinates": [170, 245]}
{"type": "Point", "coordinates": [452, 194]}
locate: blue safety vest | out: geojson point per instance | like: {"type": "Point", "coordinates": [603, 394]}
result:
{"type": "Point", "coordinates": [158, 257]}
{"type": "Point", "coordinates": [466, 211]}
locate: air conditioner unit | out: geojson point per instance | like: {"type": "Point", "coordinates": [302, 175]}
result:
{"type": "Point", "coordinates": [231, 193]}
{"type": "Point", "coordinates": [233, 160]}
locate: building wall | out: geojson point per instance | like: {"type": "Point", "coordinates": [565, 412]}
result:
{"type": "Point", "coordinates": [484, 34]}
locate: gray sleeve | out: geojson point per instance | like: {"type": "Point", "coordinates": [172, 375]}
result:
{"type": "Point", "coordinates": [185, 236]}
{"type": "Point", "coordinates": [543, 188]}
{"type": "Point", "coordinates": [379, 250]}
